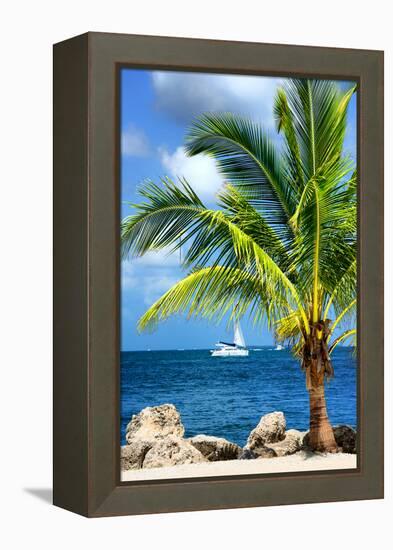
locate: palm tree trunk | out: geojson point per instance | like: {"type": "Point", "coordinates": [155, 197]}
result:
{"type": "Point", "coordinates": [321, 436]}
{"type": "Point", "coordinates": [317, 365]}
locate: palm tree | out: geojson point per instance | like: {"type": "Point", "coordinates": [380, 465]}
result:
{"type": "Point", "coordinates": [281, 246]}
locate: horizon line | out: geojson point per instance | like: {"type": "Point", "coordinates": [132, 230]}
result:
{"type": "Point", "coordinates": [258, 346]}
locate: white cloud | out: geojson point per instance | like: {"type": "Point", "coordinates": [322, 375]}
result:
{"type": "Point", "coordinates": [129, 278]}
{"type": "Point", "coordinates": [134, 143]}
{"type": "Point", "coordinates": [155, 286]}
{"type": "Point", "coordinates": [185, 95]}
{"type": "Point", "coordinates": [200, 171]}
{"type": "Point", "coordinates": [151, 275]}
{"type": "Point", "coordinates": [160, 258]}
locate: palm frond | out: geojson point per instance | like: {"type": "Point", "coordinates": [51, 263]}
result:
{"type": "Point", "coordinates": [169, 216]}
{"type": "Point", "coordinates": [289, 328]}
{"type": "Point", "coordinates": [344, 290]}
{"type": "Point", "coordinates": [285, 123]}
{"type": "Point", "coordinates": [325, 229]}
{"type": "Point", "coordinates": [351, 333]}
{"type": "Point", "coordinates": [278, 288]}
{"type": "Point", "coordinates": [341, 315]}
{"type": "Point", "coordinates": [248, 159]}
{"type": "Point", "coordinates": [211, 293]}
{"type": "Point", "coordinates": [253, 224]}
{"type": "Point", "coordinates": [166, 213]}
{"type": "Point", "coordinates": [319, 112]}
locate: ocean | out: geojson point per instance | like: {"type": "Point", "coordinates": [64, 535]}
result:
{"type": "Point", "coordinates": [226, 397]}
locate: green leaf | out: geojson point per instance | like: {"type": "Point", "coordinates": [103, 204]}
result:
{"type": "Point", "coordinates": [248, 159]}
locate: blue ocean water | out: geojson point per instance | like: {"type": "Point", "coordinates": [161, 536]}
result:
{"type": "Point", "coordinates": [226, 397]}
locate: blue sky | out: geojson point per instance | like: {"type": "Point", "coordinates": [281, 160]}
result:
{"type": "Point", "coordinates": [156, 109]}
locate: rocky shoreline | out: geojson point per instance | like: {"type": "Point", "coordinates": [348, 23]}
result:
{"type": "Point", "coordinates": [155, 439]}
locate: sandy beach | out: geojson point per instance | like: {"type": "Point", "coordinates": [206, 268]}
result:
{"type": "Point", "coordinates": [300, 462]}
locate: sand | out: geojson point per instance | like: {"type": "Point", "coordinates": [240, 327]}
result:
{"type": "Point", "coordinates": [299, 462]}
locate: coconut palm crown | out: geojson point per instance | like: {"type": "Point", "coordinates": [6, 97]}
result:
{"type": "Point", "coordinates": [281, 246]}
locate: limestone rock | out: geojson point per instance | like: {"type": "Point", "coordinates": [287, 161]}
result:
{"type": "Point", "coordinates": [259, 452]}
{"type": "Point", "coordinates": [172, 451]}
{"type": "Point", "coordinates": [153, 422]}
{"type": "Point", "coordinates": [345, 437]}
{"type": "Point", "coordinates": [270, 429]}
{"type": "Point", "coordinates": [291, 444]}
{"type": "Point", "coordinates": [215, 448]}
{"type": "Point", "coordinates": [247, 454]}
{"type": "Point", "coordinates": [264, 452]}
{"type": "Point", "coordinates": [132, 456]}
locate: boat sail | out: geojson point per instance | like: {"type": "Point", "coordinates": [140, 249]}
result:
{"type": "Point", "coordinates": [235, 349]}
{"type": "Point", "coordinates": [238, 338]}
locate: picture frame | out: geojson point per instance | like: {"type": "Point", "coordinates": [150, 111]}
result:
{"type": "Point", "coordinates": [86, 476]}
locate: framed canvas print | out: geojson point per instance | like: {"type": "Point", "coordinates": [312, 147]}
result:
{"type": "Point", "coordinates": [218, 261]}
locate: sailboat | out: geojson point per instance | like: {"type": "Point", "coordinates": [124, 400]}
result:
{"type": "Point", "coordinates": [236, 349]}
{"type": "Point", "coordinates": [279, 347]}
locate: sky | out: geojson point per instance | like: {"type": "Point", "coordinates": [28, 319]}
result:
{"type": "Point", "coordinates": [157, 107]}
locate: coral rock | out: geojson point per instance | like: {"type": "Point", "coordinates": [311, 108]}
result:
{"type": "Point", "coordinates": [215, 448]}
{"type": "Point", "coordinates": [172, 451]}
{"type": "Point", "coordinates": [270, 429]}
{"type": "Point", "coordinates": [153, 422]}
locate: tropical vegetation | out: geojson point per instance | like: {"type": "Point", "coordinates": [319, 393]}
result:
{"type": "Point", "coordinates": [280, 248]}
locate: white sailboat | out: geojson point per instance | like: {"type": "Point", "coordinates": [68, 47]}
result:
{"type": "Point", "coordinates": [235, 349]}
{"type": "Point", "coordinates": [279, 347]}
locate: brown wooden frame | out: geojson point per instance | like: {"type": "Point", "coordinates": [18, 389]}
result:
{"type": "Point", "coordinates": [86, 274]}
